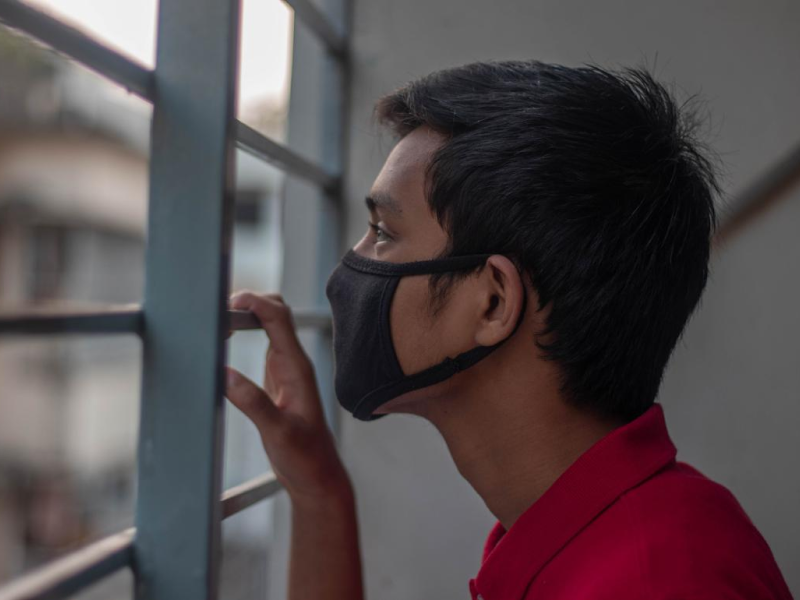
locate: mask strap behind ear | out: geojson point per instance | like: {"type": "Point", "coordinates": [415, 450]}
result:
{"type": "Point", "coordinates": [434, 374]}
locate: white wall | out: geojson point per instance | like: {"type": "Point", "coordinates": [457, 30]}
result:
{"type": "Point", "coordinates": [731, 392]}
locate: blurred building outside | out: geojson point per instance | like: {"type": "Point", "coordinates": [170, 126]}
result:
{"type": "Point", "coordinates": [73, 202]}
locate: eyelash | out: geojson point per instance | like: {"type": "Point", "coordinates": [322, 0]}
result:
{"type": "Point", "coordinates": [377, 229]}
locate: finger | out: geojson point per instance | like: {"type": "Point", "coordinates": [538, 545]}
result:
{"type": "Point", "coordinates": [236, 296]}
{"type": "Point", "coordinates": [231, 305]}
{"type": "Point", "coordinates": [275, 317]}
{"type": "Point", "coordinates": [269, 385]}
{"type": "Point", "coordinates": [253, 401]}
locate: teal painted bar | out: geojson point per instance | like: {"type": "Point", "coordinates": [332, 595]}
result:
{"type": "Point", "coordinates": [125, 319]}
{"type": "Point", "coordinates": [190, 225]}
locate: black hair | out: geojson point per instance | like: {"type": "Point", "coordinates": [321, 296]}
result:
{"type": "Point", "coordinates": [595, 183]}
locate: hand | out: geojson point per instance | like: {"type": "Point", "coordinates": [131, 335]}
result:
{"type": "Point", "coordinates": [287, 412]}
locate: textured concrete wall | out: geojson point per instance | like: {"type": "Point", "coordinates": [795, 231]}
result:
{"type": "Point", "coordinates": [731, 392]}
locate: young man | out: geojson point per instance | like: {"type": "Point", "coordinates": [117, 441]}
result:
{"type": "Point", "coordinates": [537, 240]}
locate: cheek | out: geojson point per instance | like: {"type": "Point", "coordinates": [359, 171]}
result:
{"type": "Point", "coordinates": [413, 334]}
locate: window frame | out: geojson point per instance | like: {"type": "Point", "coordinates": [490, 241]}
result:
{"type": "Point", "coordinates": [174, 550]}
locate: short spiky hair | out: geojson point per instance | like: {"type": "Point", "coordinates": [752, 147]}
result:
{"type": "Point", "coordinates": [594, 183]}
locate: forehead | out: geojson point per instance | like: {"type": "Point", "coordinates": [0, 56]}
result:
{"type": "Point", "coordinates": [402, 175]}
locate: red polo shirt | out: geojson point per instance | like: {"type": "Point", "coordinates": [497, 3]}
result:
{"type": "Point", "coordinates": [626, 520]}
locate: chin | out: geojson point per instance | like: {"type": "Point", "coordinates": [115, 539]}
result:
{"type": "Point", "coordinates": [384, 409]}
{"type": "Point", "coordinates": [400, 404]}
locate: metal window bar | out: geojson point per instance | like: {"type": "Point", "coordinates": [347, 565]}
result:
{"type": "Point", "coordinates": [120, 319]}
{"type": "Point", "coordinates": [127, 318]}
{"type": "Point", "coordinates": [185, 315]}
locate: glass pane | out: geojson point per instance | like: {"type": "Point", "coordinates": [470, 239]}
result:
{"type": "Point", "coordinates": [246, 543]}
{"type": "Point", "coordinates": [118, 586]}
{"type": "Point", "coordinates": [68, 436]}
{"type": "Point", "coordinates": [256, 262]}
{"type": "Point", "coordinates": [73, 181]}
{"type": "Point", "coordinates": [257, 245]}
{"type": "Point", "coordinates": [127, 26]}
{"type": "Point", "coordinates": [313, 95]}
{"type": "Point", "coordinates": [264, 66]}
{"type": "Point", "coordinates": [73, 211]}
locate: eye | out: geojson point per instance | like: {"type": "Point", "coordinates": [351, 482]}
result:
{"type": "Point", "coordinates": [378, 231]}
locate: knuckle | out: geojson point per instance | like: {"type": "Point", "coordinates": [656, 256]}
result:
{"type": "Point", "coordinates": [280, 312]}
{"type": "Point", "coordinates": [242, 298]}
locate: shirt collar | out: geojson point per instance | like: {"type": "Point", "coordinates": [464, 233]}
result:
{"type": "Point", "coordinates": [617, 462]}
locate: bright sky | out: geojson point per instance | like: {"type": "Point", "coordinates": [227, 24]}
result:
{"type": "Point", "coordinates": [129, 27]}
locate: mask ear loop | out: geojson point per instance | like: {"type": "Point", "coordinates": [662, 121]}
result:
{"type": "Point", "coordinates": [470, 357]}
{"type": "Point", "coordinates": [434, 374]}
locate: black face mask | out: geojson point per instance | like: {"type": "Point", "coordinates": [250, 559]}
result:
{"type": "Point", "coordinates": [366, 370]}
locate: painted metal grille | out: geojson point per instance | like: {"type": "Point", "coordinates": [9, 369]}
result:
{"type": "Point", "coordinates": [173, 551]}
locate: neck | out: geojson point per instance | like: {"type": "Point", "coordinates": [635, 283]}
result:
{"type": "Point", "coordinates": [512, 440]}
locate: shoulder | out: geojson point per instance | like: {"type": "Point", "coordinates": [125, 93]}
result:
{"type": "Point", "coordinates": [681, 505]}
{"type": "Point", "coordinates": [676, 536]}
{"type": "Point", "coordinates": [693, 536]}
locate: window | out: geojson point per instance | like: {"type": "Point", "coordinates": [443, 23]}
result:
{"type": "Point", "coordinates": [173, 551]}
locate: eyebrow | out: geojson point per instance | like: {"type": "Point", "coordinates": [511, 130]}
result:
{"type": "Point", "coordinates": [384, 201]}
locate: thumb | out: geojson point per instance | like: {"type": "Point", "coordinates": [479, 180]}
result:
{"type": "Point", "coordinates": [251, 399]}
